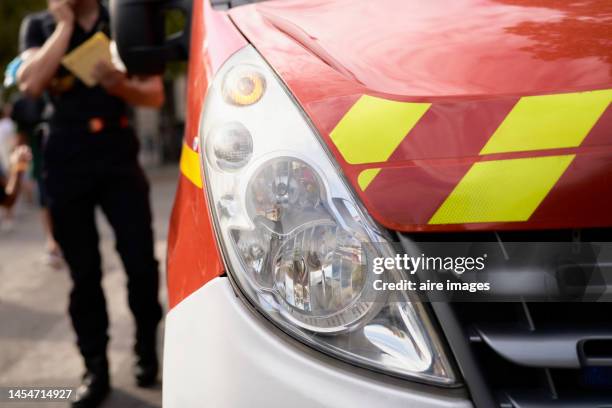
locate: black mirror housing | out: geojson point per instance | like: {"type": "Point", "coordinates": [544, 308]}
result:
{"type": "Point", "coordinates": [138, 28]}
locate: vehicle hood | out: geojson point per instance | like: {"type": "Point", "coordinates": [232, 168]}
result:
{"type": "Point", "coordinates": [463, 115]}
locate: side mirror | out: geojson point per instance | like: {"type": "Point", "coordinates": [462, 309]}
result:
{"type": "Point", "coordinates": [138, 28]}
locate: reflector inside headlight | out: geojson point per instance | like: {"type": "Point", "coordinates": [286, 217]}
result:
{"type": "Point", "coordinates": [293, 236]}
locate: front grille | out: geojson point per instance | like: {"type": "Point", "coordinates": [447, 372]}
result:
{"type": "Point", "coordinates": [527, 354]}
{"type": "Point", "coordinates": [549, 372]}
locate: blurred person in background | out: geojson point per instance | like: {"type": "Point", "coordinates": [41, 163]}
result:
{"type": "Point", "coordinates": [8, 134]}
{"type": "Point", "coordinates": [8, 142]}
{"type": "Point", "coordinates": [28, 116]}
{"type": "Point", "coordinates": [90, 160]}
{"type": "Point", "coordinates": [17, 164]}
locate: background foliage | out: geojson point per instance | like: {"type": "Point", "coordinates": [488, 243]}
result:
{"type": "Point", "coordinates": [11, 14]}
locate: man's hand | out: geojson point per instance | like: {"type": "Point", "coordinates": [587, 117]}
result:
{"type": "Point", "coordinates": [20, 158]}
{"type": "Point", "coordinates": [147, 91]}
{"type": "Point", "coordinates": [62, 11]}
{"type": "Point", "coordinates": [40, 64]}
{"type": "Point", "coordinates": [109, 77]}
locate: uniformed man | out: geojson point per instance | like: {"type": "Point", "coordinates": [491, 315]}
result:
{"type": "Point", "coordinates": [90, 160]}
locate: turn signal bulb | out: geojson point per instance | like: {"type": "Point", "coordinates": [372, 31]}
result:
{"type": "Point", "coordinates": [243, 86]}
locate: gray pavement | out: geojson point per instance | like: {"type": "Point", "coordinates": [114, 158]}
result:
{"type": "Point", "coordinates": [36, 339]}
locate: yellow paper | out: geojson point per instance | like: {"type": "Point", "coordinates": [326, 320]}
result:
{"type": "Point", "coordinates": [82, 60]}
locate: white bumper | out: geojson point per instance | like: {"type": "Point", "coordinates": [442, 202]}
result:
{"type": "Point", "coordinates": [220, 354]}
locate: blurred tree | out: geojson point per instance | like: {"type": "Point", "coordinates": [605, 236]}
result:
{"type": "Point", "coordinates": [11, 14]}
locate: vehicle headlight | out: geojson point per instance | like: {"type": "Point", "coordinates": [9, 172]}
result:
{"type": "Point", "coordinates": [293, 236]}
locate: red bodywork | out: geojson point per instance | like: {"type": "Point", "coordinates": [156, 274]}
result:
{"type": "Point", "coordinates": [193, 255]}
{"type": "Point", "coordinates": [471, 59]}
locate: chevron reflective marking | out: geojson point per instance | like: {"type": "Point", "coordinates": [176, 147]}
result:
{"type": "Point", "coordinates": [549, 122]}
{"type": "Point", "coordinates": [373, 128]}
{"type": "Point", "coordinates": [501, 190]}
{"type": "Point", "coordinates": [366, 176]}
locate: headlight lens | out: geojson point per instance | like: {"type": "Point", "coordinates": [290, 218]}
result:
{"type": "Point", "coordinates": [315, 268]}
{"type": "Point", "coordinates": [230, 146]}
{"type": "Point", "coordinates": [293, 236]}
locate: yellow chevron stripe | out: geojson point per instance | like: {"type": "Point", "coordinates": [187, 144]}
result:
{"type": "Point", "coordinates": [374, 127]}
{"type": "Point", "coordinates": [502, 190]}
{"type": "Point", "coordinates": [549, 121]}
{"type": "Point", "coordinates": [190, 165]}
{"type": "Point", "coordinates": [366, 177]}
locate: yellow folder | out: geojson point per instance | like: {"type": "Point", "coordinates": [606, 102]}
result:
{"type": "Point", "coordinates": [82, 60]}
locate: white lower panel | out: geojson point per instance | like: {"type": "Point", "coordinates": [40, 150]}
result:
{"type": "Point", "coordinates": [219, 354]}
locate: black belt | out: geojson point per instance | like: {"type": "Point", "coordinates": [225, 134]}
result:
{"type": "Point", "coordinates": [95, 124]}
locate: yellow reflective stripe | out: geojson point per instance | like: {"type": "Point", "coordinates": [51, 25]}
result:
{"type": "Point", "coordinates": [374, 127]}
{"type": "Point", "coordinates": [190, 165]}
{"type": "Point", "coordinates": [502, 190]}
{"type": "Point", "coordinates": [366, 177]}
{"type": "Point", "coordinates": [549, 122]}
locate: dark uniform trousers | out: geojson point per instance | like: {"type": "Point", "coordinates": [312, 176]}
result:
{"type": "Point", "coordinates": [78, 183]}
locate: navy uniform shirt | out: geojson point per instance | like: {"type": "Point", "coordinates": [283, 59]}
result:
{"type": "Point", "coordinates": [75, 104]}
{"type": "Point", "coordinates": [72, 100]}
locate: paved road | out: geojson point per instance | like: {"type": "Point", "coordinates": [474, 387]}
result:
{"type": "Point", "coordinates": [36, 339]}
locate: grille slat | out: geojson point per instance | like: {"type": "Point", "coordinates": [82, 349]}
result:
{"type": "Point", "coordinates": [558, 347]}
